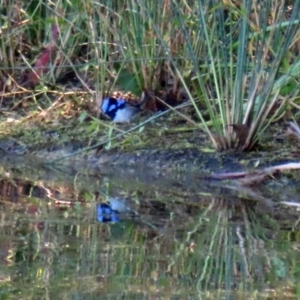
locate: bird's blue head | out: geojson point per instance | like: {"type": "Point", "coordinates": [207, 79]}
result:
{"type": "Point", "coordinates": [105, 214]}
{"type": "Point", "coordinates": [111, 211]}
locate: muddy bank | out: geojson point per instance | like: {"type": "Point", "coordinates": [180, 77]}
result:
{"type": "Point", "coordinates": [172, 160]}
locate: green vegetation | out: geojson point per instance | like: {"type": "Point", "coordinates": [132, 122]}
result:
{"type": "Point", "coordinates": [225, 69]}
{"type": "Point", "coordinates": [234, 62]}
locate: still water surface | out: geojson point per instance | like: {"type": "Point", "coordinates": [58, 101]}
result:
{"type": "Point", "coordinates": [128, 234]}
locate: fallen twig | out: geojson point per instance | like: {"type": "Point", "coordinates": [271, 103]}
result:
{"type": "Point", "coordinates": [255, 177]}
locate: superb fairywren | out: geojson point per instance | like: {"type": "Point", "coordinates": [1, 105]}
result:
{"type": "Point", "coordinates": [112, 210]}
{"type": "Point", "coordinates": [119, 110]}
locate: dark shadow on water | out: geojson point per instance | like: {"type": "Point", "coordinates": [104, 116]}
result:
{"type": "Point", "coordinates": [133, 234]}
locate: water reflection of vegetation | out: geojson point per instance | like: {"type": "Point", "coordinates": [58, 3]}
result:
{"type": "Point", "coordinates": [207, 247]}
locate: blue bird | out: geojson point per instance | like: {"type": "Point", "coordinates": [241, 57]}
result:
{"type": "Point", "coordinates": [117, 209]}
{"type": "Point", "coordinates": [119, 110]}
{"type": "Point", "coordinates": [110, 211]}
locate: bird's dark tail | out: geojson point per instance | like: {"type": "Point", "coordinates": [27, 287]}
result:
{"type": "Point", "coordinates": [146, 96]}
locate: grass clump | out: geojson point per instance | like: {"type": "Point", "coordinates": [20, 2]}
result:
{"type": "Point", "coordinates": [245, 68]}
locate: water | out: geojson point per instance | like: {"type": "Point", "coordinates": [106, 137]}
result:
{"type": "Point", "coordinates": [163, 237]}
